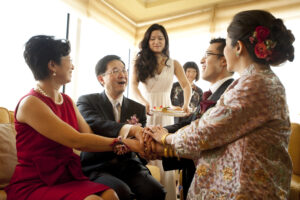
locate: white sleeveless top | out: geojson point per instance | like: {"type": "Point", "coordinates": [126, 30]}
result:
{"type": "Point", "coordinates": [157, 91]}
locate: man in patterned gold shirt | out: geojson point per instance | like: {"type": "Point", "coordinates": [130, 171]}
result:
{"type": "Point", "coordinates": [214, 70]}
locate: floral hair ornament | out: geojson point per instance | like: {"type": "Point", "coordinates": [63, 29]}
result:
{"type": "Point", "coordinates": [263, 48]}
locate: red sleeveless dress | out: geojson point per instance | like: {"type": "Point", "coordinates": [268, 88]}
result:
{"type": "Point", "coordinates": [48, 170]}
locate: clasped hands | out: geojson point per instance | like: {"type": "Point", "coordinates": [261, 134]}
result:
{"type": "Point", "coordinates": [150, 144]}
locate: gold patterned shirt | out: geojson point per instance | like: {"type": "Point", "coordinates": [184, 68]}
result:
{"type": "Point", "coordinates": [240, 146]}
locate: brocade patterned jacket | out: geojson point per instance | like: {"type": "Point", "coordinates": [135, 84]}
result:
{"type": "Point", "coordinates": [240, 146]}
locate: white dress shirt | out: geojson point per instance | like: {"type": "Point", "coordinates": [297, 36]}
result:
{"type": "Point", "coordinates": [125, 129]}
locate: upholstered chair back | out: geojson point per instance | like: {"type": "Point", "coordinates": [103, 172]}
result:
{"type": "Point", "coordinates": [294, 151]}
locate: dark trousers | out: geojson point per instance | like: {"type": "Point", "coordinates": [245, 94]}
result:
{"type": "Point", "coordinates": [187, 177]}
{"type": "Point", "coordinates": [138, 185]}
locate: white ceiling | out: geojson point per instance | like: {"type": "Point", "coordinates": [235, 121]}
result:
{"type": "Point", "coordinates": [145, 11]}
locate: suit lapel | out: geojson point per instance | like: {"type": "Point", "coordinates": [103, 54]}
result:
{"type": "Point", "coordinates": [217, 94]}
{"type": "Point", "coordinates": [107, 106]}
{"type": "Point", "coordinates": [124, 110]}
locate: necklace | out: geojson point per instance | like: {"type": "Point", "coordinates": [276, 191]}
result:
{"type": "Point", "coordinates": [40, 90]}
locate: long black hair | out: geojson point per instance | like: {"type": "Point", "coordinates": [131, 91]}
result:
{"type": "Point", "coordinates": [146, 62]}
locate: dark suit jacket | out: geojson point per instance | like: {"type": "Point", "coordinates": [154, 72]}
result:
{"type": "Point", "coordinates": [98, 113]}
{"type": "Point", "coordinates": [187, 165]}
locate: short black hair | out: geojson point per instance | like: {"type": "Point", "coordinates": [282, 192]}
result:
{"type": "Point", "coordinates": [222, 45]}
{"type": "Point", "coordinates": [194, 66]}
{"type": "Point", "coordinates": [41, 49]}
{"type": "Point", "coordinates": [101, 65]}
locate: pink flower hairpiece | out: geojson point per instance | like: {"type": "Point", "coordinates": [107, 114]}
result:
{"type": "Point", "coordinates": [134, 120]}
{"type": "Point", "coordinates": [263, 48]}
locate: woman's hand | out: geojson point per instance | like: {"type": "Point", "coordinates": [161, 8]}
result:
{"type": "Point", "coordinates": [186, 109]}
{"type": "Point", "coordinates": [137, 132]}
{"type": "Point", "coordinates": [153, 150]}
{"type": "Point", "coordinates": [156, 132]}
{"type": "Point", "coordinates": [148, 109]}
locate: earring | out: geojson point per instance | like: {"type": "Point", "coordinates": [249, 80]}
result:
{"type": "Point", "coordinates": [237, 54]}
{"type": "Point", "coordinates": [54, 74]}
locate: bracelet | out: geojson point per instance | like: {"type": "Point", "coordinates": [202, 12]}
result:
{"type": "Point", "coordinates": [166, 152]}
{"type": "Point", "coordinates": [163, 139]}
{"type": "Point", "coordinates": [115, 141]}
{"type": "Point", "coordinates": [119, 147]}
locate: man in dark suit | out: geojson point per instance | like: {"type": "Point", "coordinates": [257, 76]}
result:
{"type": "Point", "coordinates": [111, 114]}
{"type": "Point", "coordinates": [214, 70]}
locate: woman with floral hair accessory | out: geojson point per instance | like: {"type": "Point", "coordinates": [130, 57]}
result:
{"type": "Point", "coordinates": [240, 145]}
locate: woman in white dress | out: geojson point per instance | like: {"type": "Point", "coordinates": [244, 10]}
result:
{"type": "Point", "coordinates": [155, 69]}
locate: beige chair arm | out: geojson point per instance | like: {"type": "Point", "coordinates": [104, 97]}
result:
{"type": "Point", "coordinates": [154, 171]}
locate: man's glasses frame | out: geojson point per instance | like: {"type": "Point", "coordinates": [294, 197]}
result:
{"type": "Point", "coordinates": [116, 72]}
{"type": "Point", "coordinates": [212, 54]}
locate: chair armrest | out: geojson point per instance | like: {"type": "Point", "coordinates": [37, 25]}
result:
{"type": "Point", "coordinates": [2, 195]}
{"type": "Point", "coordinates": [155, 172]}
{"type": "Point", "coordinates": [295, 188]}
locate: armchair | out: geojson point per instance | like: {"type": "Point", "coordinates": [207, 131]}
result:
{"type": "Point", "coordinates": [8, 157]}
{"type": "Point", "coordinates": [294, 151]}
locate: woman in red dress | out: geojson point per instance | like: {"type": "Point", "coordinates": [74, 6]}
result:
{"type": "Point", "coordinates": [48, 126]}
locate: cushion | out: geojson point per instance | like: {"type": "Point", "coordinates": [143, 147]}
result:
{"type": "Point", "coordinates": [4, 115]}
{"type": "Point", "coordinates": [8, 153]}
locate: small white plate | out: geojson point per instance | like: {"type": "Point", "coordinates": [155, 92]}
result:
{"type": "Point", "coordinates": [178, 113]}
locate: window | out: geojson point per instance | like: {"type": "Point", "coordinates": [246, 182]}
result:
{"type": "Point", "coordinates": [19, 22]}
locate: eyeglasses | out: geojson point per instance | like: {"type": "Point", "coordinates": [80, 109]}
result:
{"type": "Point", "coordinates": [212, 54]}
{"type": "Point", "coordinates": [116, 72]}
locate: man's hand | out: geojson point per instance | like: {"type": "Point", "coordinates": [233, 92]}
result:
{"type": "Point", "coordinates": [152, 150]}
{"type": "Point", "coordinates": [135, 146]}
{"type": "Point", "coordinates": [137, 132]}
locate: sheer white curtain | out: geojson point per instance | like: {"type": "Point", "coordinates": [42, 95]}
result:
{"type": "Point", "coordinates": [96, 41]}
{"type": "Point", "coordinates": [289, 74]}
{"type": "Point", "coordinates": [21, 20]}
{"type": "Point", "coordinates": [190, 46]}
{"type": "Point", "coordinates": [90, 41]}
